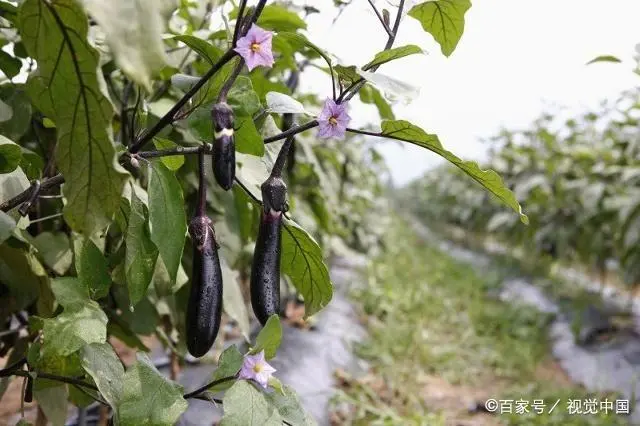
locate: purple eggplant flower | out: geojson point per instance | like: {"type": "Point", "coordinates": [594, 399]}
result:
{"type": "Point", "coordinates": [255, 367]}
{"type": "Point", "coordinates": [255, 47]}
{"type": "Point", "coordinates": [333, 120]}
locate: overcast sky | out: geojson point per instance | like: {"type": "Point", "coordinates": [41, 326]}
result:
{"type": "Point", "coordinates": [515, 57]}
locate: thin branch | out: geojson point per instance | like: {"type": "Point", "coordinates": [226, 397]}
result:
{"type": "Point", "coordinates": [351, 91]}
{"type": "Point", "coordinates": [169, 116]}
{"type": "Point", "coordinates": [278, 165]}
{"type": "Point", "coordinates": [224, 90]}
{"type": "Point", "coordinates": [236, 30]}
{"type": "Point", "coordinates": [292, 131]}
{"type": "Point", "coordinates": [209, 385]}
{"type": "Point", "coordinates": [35, 190]}
{"type": "Point", "coordinates": [248, 191]}
{"type": "Point", "coordinates": [202, 184]}
{"type": "Point", "coordinates": [9, 371]}
{"type": "Point", "coordinates": [24, 196]}
{"type": "Point", "coordinates": [42, 219]}
{"type": "Point", "coordinates": [180, 150]}
{"type": "Point", "coordinates": [55, 377]}
{"type": "Point", "coordinates": [382, 21]}
{"type": "Point", "coordinates": [366, 132]}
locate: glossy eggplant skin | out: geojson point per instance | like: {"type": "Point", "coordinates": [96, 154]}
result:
{"type": "Point", "coordinates": [204, 309]}
{"type": "Point", "coordinates": [224, 147]}
{"type": "Point", "coordinates": [265, 270]}
{"type": "Point", "coordinates": [224, 161]}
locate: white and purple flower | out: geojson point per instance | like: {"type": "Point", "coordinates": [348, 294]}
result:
{"type": "Point", "coordinates": [255, 47]}
{"type": "Point", "coordinates": [333, 120]}
{"type": "Point", "coordinates": [255, 367]}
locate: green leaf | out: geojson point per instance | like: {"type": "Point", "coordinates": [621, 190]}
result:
{"type": "Point", "coordinates": [405, 131]}
{"type": "Point", "coordinates": [347, 73]}
{"type": "Point", "coordinates": [246, 214]}
{"type": "Point", "coordinates": [243, 99]}
{"type": "Point", "coordinates": [7, 225]}
{"type": "Point", "coordinates": [92, 268]}
{"type": "Point", "coordinates": [70, 292]}
{"type": "Point", "coordinates": [9, 65]}
{"type": "Point", "coordinates": [31, 163]}
{"type": "Point", "coordinates": [280, 103]}
{"type": "Point", "coordinates": [233, 301]}
{"type": "Point", "coordinates": [275, 17]}
{"type": "Point", "coordinates": [103, 365]}
{"type": "Point", "coordinates": [604, 58]}
{"type": "Point", "coordinates": [16, 97]}
{"type": "Point", "coordinates": [141, 252]}
{"type": "Point", "coordinates": [229, 364]}
{"type": "Point", "coordinates": [149, 398]}
{"type": "Point", "coordinates": [289, 407]}
{"type": "Point", "coordinates": [269, 337]}
{"type": "Point", "coordinates": [167, 216]}
{"type": "Point", "coordinates": [66, 88]}
{"type": "Point", "coordinates": [10, 155]}
{"type": "Point", "coordinates": [55, 250]}
{"type": "Point", "coordinates": [206, 50]}
{"type": "Point", "coordinates": [173, 162]}
{"type": "Point", "coordinates": [391, 86]}
{"type": "Point", "coordinates": [300, 43]}
{"type": "Point", "coordinates": [444, 20]}
{"type": "Point", "coordinates": [77, 326]}
{"type": "Point", "coordinates": [12, 184]}
{"type": "Point", "coordinates": [302, 261]}
{"type": "Point", "coordinates": [371, 95]}
{"type": "Point", "coordinates": [393, 54]}
{"type": "Point", "coordinates": [53, 401]}
{"type": "Point", "coordinates": [22, 274]}
{"type": "Point", "coordinates": [244, 405]}
{"type": "Point", "coordinates": [133, 29]}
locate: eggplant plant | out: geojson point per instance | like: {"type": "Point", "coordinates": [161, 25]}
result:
{"type": "Point", "coordinates": [111, 115]}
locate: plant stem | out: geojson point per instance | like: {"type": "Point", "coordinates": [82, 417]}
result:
{"type": "Point", "coordinates": [208, 386]}
{"type": "Point", "coordinates": [384, 24]}
{"type": "Point", "coordinates": [278, 165]}
{"type": "Point", "coordinates": [236, 30]}
{"type": "Point", "coordinates": [202, 185]}
{"type": "Point", "coordinates": [169, 116]}
{"type": "Point", "coordinates": [224, 91]}
{"type": "Point", "coordinates": [292, 131]}
{"type": "Point", "coordinates": [180, 150]}
{"type": "Point", "coordinates": [55, 377]}
{"type": "Point", "coordinates": [24, 196]}
{"type": "Point", "coordinates": [9, 371]}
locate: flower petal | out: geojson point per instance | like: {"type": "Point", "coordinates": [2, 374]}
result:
{"type": "Point", "coordinates": [325, 130]}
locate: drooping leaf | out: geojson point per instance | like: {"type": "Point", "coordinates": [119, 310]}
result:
{"type": "Point", "coordinates": [66, 87]}
{"type": "Point", "coordinates": [244, 405]}
{"type": "Point", "coordinates": [243, 99]}
{"type": "Point", "coordinates": [92, 267]}
{"type": "Point", "coordinates": [302, 261]}
{"type": "Point", "coordinates": [229, 364]}
{"type": "Point", "coordinates": [101, 362]}
{"type": "Point", "coordinates": [15, 96]}
{"type": "Point", "coordinates": [233, 301]}
{"type": "Point", "coordinates": [289, 407]}
{"type": "Point", "coordinates": [405, 131]}
{"type": "Point", "coordinates": [276, 17]}
{"type": "Point", "coordinates": [393, 54]}
{"type": "Point", "coordinates": [604, 58]}
{"type": "Point", "coordinates": [280, 103]}
{"type": "Point", "coordinates": [371, 95]}
{"type": "Point", "coordinates": [22, 274]}
{"type": "Point", "coordinates": [53, 401]}
{"type": "Point", "coordinates": [133, 29]}
{"type": "Point", "coordinates": [269, 338]}
{"type": "Point", "coordinates": [173, 162]}
{"type": "Point", "coordinates": [206, 50]}
{"type": "Point", "coordinates": [444, 20]}
{"type": "Point", "coordinates": [392, 87]}
{"type": "Point", "coordinates": [9, 65]}
{"type": "Point", "coordinates": [141, 253]}
{"type": "Point", "coordinates": [77, 326]}
{"type": "Point", "coordinates": [7, 225]}
{"type": "Point", "coordinates": [167, 216]}
{"type": "Point", "coordinates": [149, 398]}
{"type": "Point", "coordinates": [10, 155]}
{"type": "Point", "coordinates": [55, 250]}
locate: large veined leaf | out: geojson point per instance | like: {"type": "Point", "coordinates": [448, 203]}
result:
{"type": "Point", "coordinates": [405, 131]}
{"type": "Point", "coordinates": [10, 155]}
{"type": "Point", "coordinates": [244, 405]}
{"type": "Point", "coordinates": [77, 326]}
{"type": "Point", "coordinates": [102, 364]}
{"type": "Point", "coordinates": [269, 338]}
{"type": "Point", "coordinates": [302, 261]}
{"type": "Point", "coordinates": [371, 95]}
{"type": "Point", "coordinates": [133, 29]}
{"type": "Point", "coordinates": [444, 20]}
{"type": "Point", "coordinates": [141, 252]}
{"type": "Point", "coordinates": [149, 398]}
{"type": "Point", "coordinates": [66, 87]}
{"type": "Point", "coordinates": [167, 216]}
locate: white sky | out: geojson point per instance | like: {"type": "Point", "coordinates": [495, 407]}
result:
{"type": "Point", "coordinates": [514, 57]}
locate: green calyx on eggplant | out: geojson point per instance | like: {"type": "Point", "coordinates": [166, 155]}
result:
{"type": "Point", "coordinates": [224, 147]}
{"type": "Point", "coordinates": [204, 309]}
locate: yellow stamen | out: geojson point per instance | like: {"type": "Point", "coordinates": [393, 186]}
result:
{"type": "Point", "coordinates": [255, 47]}
{"type": "Point", "coordinates": [257, 368]}
{"type": "Point", "coordinates": [333, 121]}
